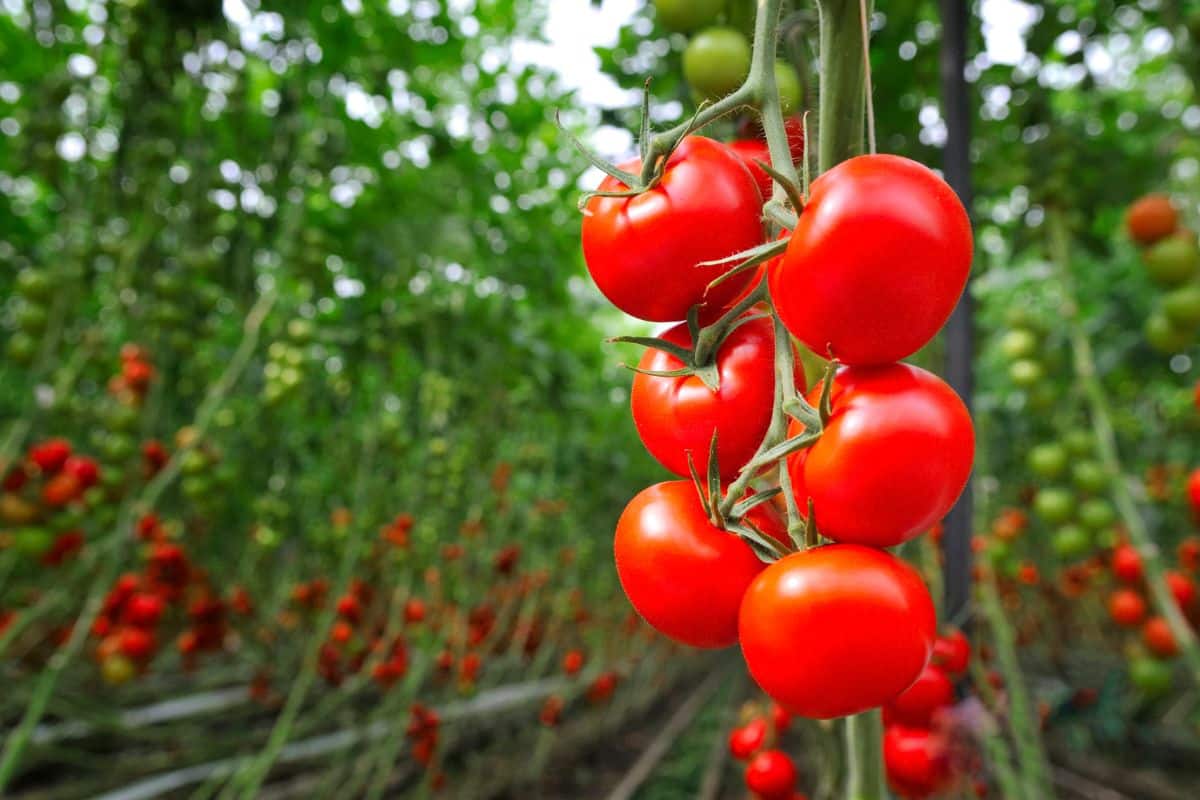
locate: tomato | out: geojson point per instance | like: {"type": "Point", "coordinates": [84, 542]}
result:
{"type": "Point", "coordinates": [780, 718]}
{"type": "Point", "coordinates": [1054, 505]}
{"type": "Point", "coordinates": [787, 84]}
{"type": "Point", "coordinates": [876, 263]}
{"type": "Point", "coordinates": [684, 576]}
{"type": "Point", "coordinates": [1019, 343]}
{"type": "Point", "coordinates": [136, 644]}
{"type": "Point", "coordinates": [1096, 513]}
{"type": "Point", "coordinates": [894, 455]}
{"type": "Point", "coordinates": [685, 16]}
{"type": "Point", "coordinates": [572, 662]}
{"type": "Point", "coordinates": [748, 739]}
{"type": "Point", "coordinates": [1048, 460]}
{"type": "Point", "coordinates": [1026, 373]}
{"type": "Point", "coordinates": [642, 251]}
{"type": "Point", "coordinates": [677, 415]}
{"type": "Point", "coordinates": [1188, 553]}
{"type": "Point", "coordinates": [1127, 608]}
{"type": "Point", "coordinates": [85, 471]}
{"type": "Point", "coordinates": [793, 126]}
{"type": "Point", "coordinates": [1126, 564]}
{"type": "Point", "coordinates": [1157, 636]}
{"type": "Point", "coordinates": [1182, 589]}
{"type": "Point", "coordinates": [1193, 493]}
{"type": "Point", "coordinates": [952, 652]}
{"type": "Point", "coordinates": [1150, 676]}
{"type": "Point", "coordinates": [117, 669]}
{"type": "Point", "coordinates": [716, 62]}
{"type": "Point", "coordinates": [918, 704]}
{"type": "Point", "coordinates": [1174, 260]}
{"type": "Point", "coordinates": [1071, 542]}
{"type": "Point", "coordinates": [60, 490]}
{"type": "Point", "coordinates": [143, 610]}
{"type": "Point", "coordinates": [1181, 307]}
{"type": "Point", "coordinates": [50, 455]}
{"type": "Point", "coordinates": [1163, 336]}
{"type": "Point", "coordinates": [1151, 218]}
{"type": "Point", "coordinates": [836, 630]}
{"type": "Point", "coordinates": [771, 775]}
{"type": "Point", "coordinates": [751, 151]}
{"type": "Point", "coordinates": [916, 762]}
{"type": "Point", "coordinates": [1089, 476]}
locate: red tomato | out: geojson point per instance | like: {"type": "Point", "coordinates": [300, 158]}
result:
{"type": "Point", "coordinates": [1189, 553]}
{"type": "Point", "coordinates": [642, 251]}
{"type": "Point", "coordinates": [60, 490]}
{"type": "Point", "coordinates": [780, 717]}
{"type": "Point", "coordinates": [892, 460]}
{"type": "Point", "coordinates": [143, 610]}
{"type": "Point", "coordinates": [876, 263]}
{"type": "Point", "coordinates": [1182, 589]}
{"type": "Point", "coordinates": [1126, 564]}
{"type": "Point", "coordinates": [916, 762]}
{"type": "Point", "coordinates": [677, 415]}
{"type": "Point", "coordinates": [414, 610]}
{"type": "Point", "coordinates": [836, 630]}
{"type": "Point", "coordinates": [751, 151]}
{"type": "Point", "coordinates": [771, 775]}
{"type": "Point", "coordinates": [751, 128]}
{"type": "Point", "coordinates": [1193, 491]}
{"type": "Point", "coordinates": [572, 662]}
{"type": "Point", "coordinates": [684, 576]}
{"type": "Point", "coordinates": [952, 652]}
{"type": "Point", "coordinates": [50, 455]}
{"type": "Point", "coordinates": [1151, 218]}
{"type": "Point", "coordinates": [748, 739]}
{"type": "Point", "coordinates": [1157, 636]}
{"type": "Point", "coordinates": [83, 469]}
{"type": "Point", "coordinates": [136, 643]}
{"type": "Point", "coordinates": [1127, 608]}
{"type": "Point", "coordinates": [918, 704]}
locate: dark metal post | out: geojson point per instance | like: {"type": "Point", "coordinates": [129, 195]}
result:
{"type": "Point", "coordinates": [956, 110]}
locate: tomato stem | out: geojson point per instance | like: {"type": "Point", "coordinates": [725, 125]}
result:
{"type": "Point", "coordinates": [864, 757]}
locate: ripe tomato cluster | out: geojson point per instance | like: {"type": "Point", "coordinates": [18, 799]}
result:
{"type": "Point", "coordinates": [1171, 257]}
{"type": "Point", "coordinates": [770, 772]}
{"type": "Point", "coordinates": [876, 454]}
{"type": "Point", "coordinates": [917, 739]}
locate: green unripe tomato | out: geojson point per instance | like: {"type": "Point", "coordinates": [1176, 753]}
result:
{"type": "Point", "coordinates": [1019, 343]}
{"type": "Point", "coordinates": [1026, 372]}
{"type": "Point", "coordinates": [300, 330]}
{"type": "Point", "coordinates": [1048, 460]}
{"type": "Point", "coordinates": [120, 417]}
{"type": "Point", "coordinates": [31, 541]}
{"type": "Point", "coordinates": [1054, 505]}
{"type": "Point", "coordinates": [34, 285]}
{"type": "Point", "coordinates": [194, 462]}
{"type": "Point", "coordinates": [1089, 476]}
{"type": "Point", "coordinates": [1097, 513]}
{"type": "Point", "coordinates": [1150, 676]}
{"type": "Point", "coordinates": [1020, 316]}
{"type": "Point", "coordinates": [195, 487]}
{"type": "Point", "coordinates": [1071, 542]}
{"type": "Point", "coordinates": [685, 16]}
{"type": "Point", "coordinates": [21, 348]}
{"type": "Point", "coordinates": [1181, 307]}
{"type": "Point", "coordinates": [716, 62]}
{"type": "Point", "coordinates": [998, 551]}
{"type": "Point", "coordinates": [1173, 260]}
{"type": "Point", "coordinates": [1165, 337]}
{"type": "Point", "coordinates": [787, 82]}
{"type": "Point", "coordinates": [32, 318]}
{"type": "Point", "coordinates": [1079, 442]}
{"type": "Point", "coordinates": [117, 446]}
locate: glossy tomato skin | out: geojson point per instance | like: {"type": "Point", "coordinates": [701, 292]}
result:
{"type": "Point", "coordinates": [893, 458]}
{"type": "Point", "coordinates": [916, 762]}
{"type": "Point", "coordinates": [1193, 484]}
{"type": "Point", "coordinates": [679, 414]}
{"type": "Point", "coordinates": [751, 151]}
{"type": "Point", "coordinates": [836, 630]}
{"type": "Point", "coordinates": [642, 251]}
{"type": "Point", "coordinates": [952, 652]}
{"type": "Point", "coordinates": [771, 775]}
{"type": "Point", "coordinates": [1151, 218]}
{"type": "Point", "coordinates": [1126, 564]}
{"type": "Point", "coordinates": [876, 263]}
{"type": "Point", "coordinates": [919, 704]}
{"type": "Point", "coordinates": [1157, 636]}
{"type": "Point", "coordinates": [684, 576]}
{"type": "Point", "coordinates": [748, 739]}
{"type": "Point", "coordinates": [1127, 608]}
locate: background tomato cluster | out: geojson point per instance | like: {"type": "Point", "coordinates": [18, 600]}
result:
{"type": "Point", "coordinates": [312, 451]}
